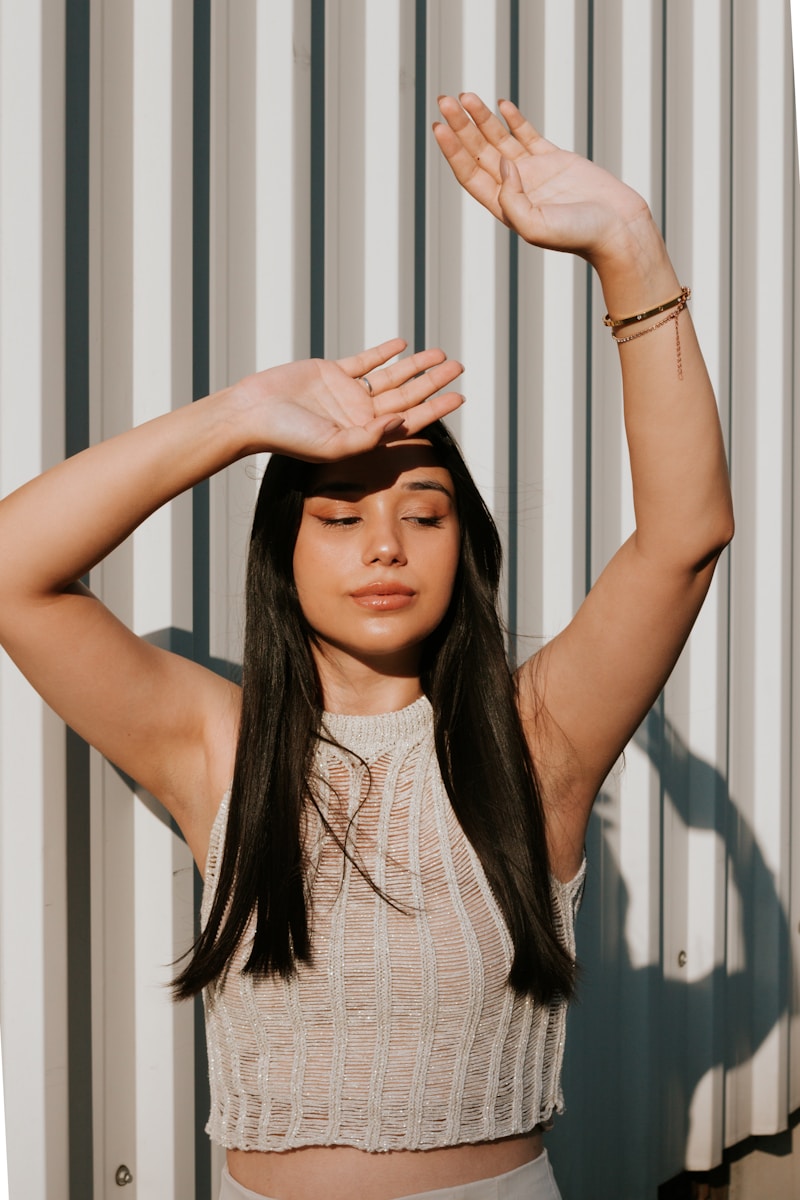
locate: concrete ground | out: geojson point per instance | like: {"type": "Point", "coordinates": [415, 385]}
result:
{"type": "Point", "coordinates": [761, 1168]}
{"type": "Point", "coordinates": [770, 1168]}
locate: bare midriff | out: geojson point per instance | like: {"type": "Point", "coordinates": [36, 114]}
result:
{"type": "Point", "coordinates": [341, 1172]}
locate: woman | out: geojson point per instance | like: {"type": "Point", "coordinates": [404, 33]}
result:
{"type": "Point", "coordinates": [391, 880]}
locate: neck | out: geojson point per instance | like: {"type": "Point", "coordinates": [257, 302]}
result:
{"type": "Point", "coordinates": [357, 688]}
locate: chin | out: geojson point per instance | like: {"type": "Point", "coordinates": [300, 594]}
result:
{"type": "Point", "coordinates": [394, 655]}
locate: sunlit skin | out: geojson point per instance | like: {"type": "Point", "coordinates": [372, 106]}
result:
{"type": "Point", "coordinates": [374, 564]}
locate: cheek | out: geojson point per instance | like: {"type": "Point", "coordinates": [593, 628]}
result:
{"type": "Point", "coordinates": [444, 567]}
{"type": "Point", "coordinates": [312, 570]}
{"type": "Point", "coordinates": [303, 567]}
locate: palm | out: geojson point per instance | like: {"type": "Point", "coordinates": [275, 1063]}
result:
{"type": "Point", "coordinates": [551, 197]}
{"type": "Point", "coordinates": [319, 410]}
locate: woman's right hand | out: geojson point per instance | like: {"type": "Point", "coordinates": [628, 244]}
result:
{"type": "Point", "coordinates": [320, 410]}
{"type": "Point", "coordinates": [164, 720]}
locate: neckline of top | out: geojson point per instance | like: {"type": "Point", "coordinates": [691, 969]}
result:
{"type": "Point", "coordinates": [371, 733]}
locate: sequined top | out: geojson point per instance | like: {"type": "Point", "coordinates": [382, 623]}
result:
{"type": "Point", "coordinates": [402, 1033]}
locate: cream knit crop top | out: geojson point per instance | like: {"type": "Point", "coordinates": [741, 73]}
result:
{"type": "Point", "coordinates": [402, 1033]}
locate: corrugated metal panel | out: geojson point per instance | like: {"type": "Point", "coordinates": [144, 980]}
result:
{"type": "Point", "coordinates": [334, 224]}
{"type": "Point", "coordinates": [33, 944]}
{"type": "Point", "coordinates": [761, 378]}
{"type": "Point", "coordinates": [141, 322]}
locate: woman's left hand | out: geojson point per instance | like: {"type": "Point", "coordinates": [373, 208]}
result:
{"type": "Point", "coordinates": [550, 197]}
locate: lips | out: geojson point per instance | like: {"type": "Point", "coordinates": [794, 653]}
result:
{"type": "Point", "coordinates": [383, 597]}
{"type": "Point", "coordinates": [383, 589]}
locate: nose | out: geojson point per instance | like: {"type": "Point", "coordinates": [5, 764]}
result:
{"type": "Point", "coordinates": [384, 543]}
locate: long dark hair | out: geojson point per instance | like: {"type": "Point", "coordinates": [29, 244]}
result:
{"type": "Point", "coordinates": [481, 748]}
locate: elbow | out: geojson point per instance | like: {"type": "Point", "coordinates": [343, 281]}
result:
{"type": "Point", "coordinates": [716, 536]}
{"type": "Point", "coordinates": [730, 529]}
{"type": "Point", "coordinates": [726, 526]}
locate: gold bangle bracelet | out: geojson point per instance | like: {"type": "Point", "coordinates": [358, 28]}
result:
{"type": "Point", "coordinates": [622, 322]}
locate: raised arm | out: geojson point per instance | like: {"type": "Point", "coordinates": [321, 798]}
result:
{"type": "Point", "coordinates": [584, 694]}
{"type": "Point", "coordinates": [167, 722]}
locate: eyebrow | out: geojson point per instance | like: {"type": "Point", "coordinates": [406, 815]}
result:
{"type": "Point", "coordinates": [349, 488]}
{"type": "Point", "coordinates": [427, 485]}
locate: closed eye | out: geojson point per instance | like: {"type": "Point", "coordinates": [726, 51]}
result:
{"type": "Point", "coordinates": [432, 522]}
{"type": "Point", "coordinates": [339, 521]}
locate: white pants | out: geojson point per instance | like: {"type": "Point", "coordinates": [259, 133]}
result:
{"type": "Point", "coordinates": [532, 1181]}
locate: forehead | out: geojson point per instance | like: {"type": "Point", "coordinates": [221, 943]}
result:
{"type": "Point", "coordinates": [399, 465]}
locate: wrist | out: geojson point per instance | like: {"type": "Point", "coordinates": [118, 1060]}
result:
{"type": "Point", "coordinates": [634, 268]}
{"type": "Point", "coordinates": [231, 414]}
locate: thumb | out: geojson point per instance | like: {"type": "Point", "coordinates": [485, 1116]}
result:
{"type": "Point", "coordinates": [360, 439]}
{"type": "Point", "coordinates": [514, 204]}
{"type": "Point", "coordinates": [509, 175]}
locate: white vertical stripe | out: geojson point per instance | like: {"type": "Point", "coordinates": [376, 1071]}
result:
{"type": "Point", "coordinates": [698, 229]}
{"type": "Point", "coordinates": [387, 181]}
{"type": "Point", "coordinates": [552, 393]}
{"type": "Point", "coordinates": [760, 564]}
{"type": "Point", "coordinates": [626, 129]}
{"type": "Point", "coordinates": [467, 250]}
{"type": "Point", "coordinates": [32, 811]}
{"type": "Point", "coordinates": [161, 379]}
{"type": "Point", "coordinates": [280, 166]}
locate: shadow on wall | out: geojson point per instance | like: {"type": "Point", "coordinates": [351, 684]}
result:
{"type": "Point", "coordinates": [643, 1048]}
{"type": "Point", "coordinates": [642, 1045]}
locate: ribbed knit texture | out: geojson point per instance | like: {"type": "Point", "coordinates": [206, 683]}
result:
{"type": "Point", "coordinates": [402, 1034]}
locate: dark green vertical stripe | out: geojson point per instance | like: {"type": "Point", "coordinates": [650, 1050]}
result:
{"type": "Point", "coordinates": [317, 233]}
{"type": "Point", "coordinates": [513, 374]}
{"type": "Point", "coordinates": [201, 131]}
{"type": "Point", "coordinates": [587, 562]}
{"type": "Point", "coordinates": [76, 248]}
{"type": "Point", "coordinates": [420, 169]}
{"type": "Point", "coordinates": [76, 392]}
{"type": "Point", "coordinates": [201, 84]}
{"type": "Point", "coordinates": [79, 969]}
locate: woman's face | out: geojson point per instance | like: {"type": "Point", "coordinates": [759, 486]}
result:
{"type": "Point", "coordinates": [376, 554]}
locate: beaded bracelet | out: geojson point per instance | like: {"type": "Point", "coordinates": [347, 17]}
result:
{"type": "Point", "coordinates": [678, 304]}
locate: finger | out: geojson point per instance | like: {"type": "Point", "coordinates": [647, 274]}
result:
{"type": "Point", "coordinates": [493, 130]}
{"type": "Point", "coordinates": [347, 441]}
{"type": "Point", "coordinates": [474, 176]}
{"type": "Point", "coordinates": [511, 185]}
{"type": "Point", "coordinates": [425, 414]}
{"type": "Point", "coordinates": [529, 220]}
{"type": "Point", "coordinates": [461, 124]}
{"type": "Point", "coordinates": [358, 364]}
{"type": "Point", "coordinates": [400, 372]}
{"type": "Point", "coordinates": [518, 212]}
{"type": "Point", "coordinates": [417, 391]}
{"type": "Point", "coordinates": [521, 128]}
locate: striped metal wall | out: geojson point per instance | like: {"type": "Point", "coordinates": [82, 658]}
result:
{"type": "Point", "coordinates": [189, 191]}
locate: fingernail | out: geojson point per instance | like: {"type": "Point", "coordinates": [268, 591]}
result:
{"type": "Point", "coordinates": [395, 423]}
